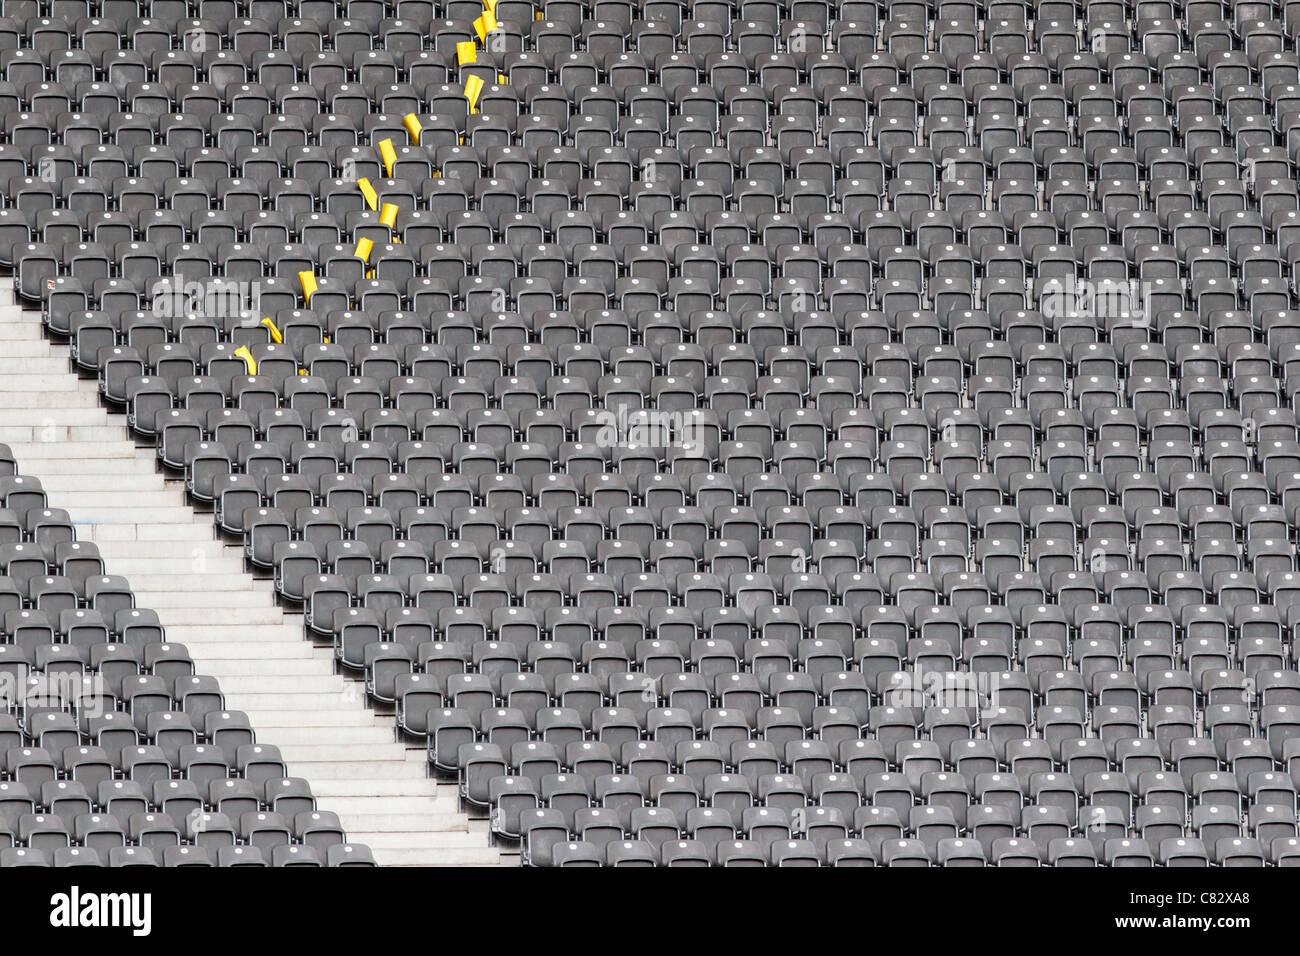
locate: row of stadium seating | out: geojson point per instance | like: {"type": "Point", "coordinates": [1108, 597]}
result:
{"type": "Point", "coordinates": [726, 433]}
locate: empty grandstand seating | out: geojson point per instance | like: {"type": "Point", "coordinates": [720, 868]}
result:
{"type": "Point", "coordinates": [115, 751]}
{"type": "Point", "coordinates": [727, 432]}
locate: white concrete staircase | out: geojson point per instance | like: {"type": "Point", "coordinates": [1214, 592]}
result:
{"type": "Point", "coordinates": [89, 465]}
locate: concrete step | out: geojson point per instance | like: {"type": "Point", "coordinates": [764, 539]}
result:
{"type": "Point", "coordinates": [312, 719]}
{"type": "Point", "coordinates": [228, 641]}
{"type": "Point", "coordinates": [340, 736]}
{"type": "Point", "coordinates": [307, 706]}
{"type": "Point", "coordinates": [199, 559]}
{"type": "Point", "coordinates": [71, 473]}
{"type": "Point", "coordinates": [448, 856]}
{"type": "Point", "coordinates": [385, 786]}
{"type": "Point", "coordinates": [449, 822]}
{"type": "Point", "coordinates": [132, 550]}
{"type": "Point", "coordinates": [207, 578]}
{"type": "Point", "coordinates": [225, 655]}
{"type": "Point", "coordinates": [141, 505]}
{"type": "Point", "coordinates": [236, 616]}
{"type": "Point", "coordinates": [145, 482]}
{"type": "Point", "coordinates": [141, 512]}
{"type": "Point", "coordinates": [230, 668]}
{"type": "Point", "coordinates": [298, 753]}
{"type": "Point", "coordinates": [41, 400]}
{"type": "Point", "coordinates": [18, 333]}
{"type": "Point", "coordinates": [250, 598]}
{"type": "Point", "coordinates": [354, 770]}
{"type": "Point", "coordinates": [38, 349]}
{"type": "Point", "coordinates": [54, 436]}
{"type": "Point", "coordinates": [412, 839]}
{"type": "Point", "coordinates": [291, 684]}
{"type": "Point", "coordinates": [39, 413]}
{"type": "Point", "coordinates": [221, 635]}
{"type": "Point", "coordinates": [403, 806]}
{"type": "Point", "coordinates": [139, 524]}
{"type": "Point", "coordinates": [17, 369]}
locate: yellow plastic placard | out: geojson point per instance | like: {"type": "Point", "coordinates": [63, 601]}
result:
{"type": "Point", "coordinates": [485, 25]}
{"type": "Point", "coordinates": [249, 362]}
{"type": "Point", "coordinates": [473, 87]}
{"type": "Point", "coordinates": [308, 285]}
{"type": "Point", "coordinates": [388, 215]}
{"type": "Point", "coordinates": [388, 155]}
{"type": "Point", "coordinates": [466, 52]}
{"type": "Point", "coordinates": [275, 331]}
{"type": "Point", "coordinates": [362, 251]}
{"type": "Point", "coordinates": [368, 191]}
{"type": "Point", "coordinates": [413, 127]}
